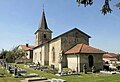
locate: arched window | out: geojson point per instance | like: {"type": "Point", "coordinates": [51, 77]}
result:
{"type": "Point", "coordinates": [44, 35]}
{"type": "Point", "coordinates": [53, 53]}
{"type": "Point", "coordinates": [90, 60]}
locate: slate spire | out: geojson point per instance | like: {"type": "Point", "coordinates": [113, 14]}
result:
{"type": "Point", "coordinates": [43, 23]}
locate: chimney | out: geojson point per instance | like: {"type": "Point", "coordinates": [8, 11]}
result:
{"type": "Point", "coordinates": [27, 44]}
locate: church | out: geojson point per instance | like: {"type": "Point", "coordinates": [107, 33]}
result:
{"type": "Point", "coordinates": [72, 45]}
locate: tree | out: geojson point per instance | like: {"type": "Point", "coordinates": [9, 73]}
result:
{"type": "Point", "coordinates": [3, 54]}
{"type": "Point", "coordinates": [105, 8]}
{"type": "Point", "coordinates": [17, 52]}
{"type": "Point", "coordinates": [11, 55]}
{"type": "Point", "coordinates": [118, 5]}
{"type": "Point", "coordinates": [118, 57]}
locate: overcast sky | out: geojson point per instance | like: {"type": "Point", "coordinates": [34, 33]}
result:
{"type": "Point", "coordinates": [19, 19]}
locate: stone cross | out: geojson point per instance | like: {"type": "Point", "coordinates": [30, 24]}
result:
{"type": "Point", "coordinates": [60, 61]}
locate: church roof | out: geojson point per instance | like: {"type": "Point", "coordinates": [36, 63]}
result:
{"type": "Point", "coordinates": [43, 23]}
{"type": "Point", "coordinates": [83, 48]}
{"type": "Point", "coordinates": [63, 35]}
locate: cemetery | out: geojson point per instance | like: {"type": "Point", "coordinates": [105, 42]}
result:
{"type": "Point", "coordinates": [38, 73]}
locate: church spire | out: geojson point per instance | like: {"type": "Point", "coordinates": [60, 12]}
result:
{"type": "Point", "coordinates": [43, 33]}
{"type": "Point", "coordinates": [43, 23]}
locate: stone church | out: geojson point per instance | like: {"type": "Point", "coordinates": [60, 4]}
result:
{"type": "Point", "coordinates": [74, 45]}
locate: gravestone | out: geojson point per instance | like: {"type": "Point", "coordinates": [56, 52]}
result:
{"type": "Point", "coordinates": [16, 71]}
{"type": "Point", "coordinates": [10, 69]}
{"type": "Point", "coordinates": [6, 66]}
{"type": "Point", "coordinates": [93, 69]}
{"type": "Point", "coordinates": [52, 67]}
{"type": "Point", "coordinates": [58, 80]}
{"type": "Point", "coordinates": [84, 69]}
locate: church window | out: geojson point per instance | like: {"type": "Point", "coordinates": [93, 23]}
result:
{"type": "Point", "coordinates": [53, 53]}
{"type": "Point", "coordinates": [44, 35]}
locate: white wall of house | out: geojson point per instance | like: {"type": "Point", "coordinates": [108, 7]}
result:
{"type": "Point", "coordinates": [28, 54]}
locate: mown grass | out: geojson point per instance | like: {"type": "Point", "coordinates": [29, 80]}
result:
{"type": "Point", "coordinates": [90, 77]}
{"type": "Point", "coordinates": [6, 77]}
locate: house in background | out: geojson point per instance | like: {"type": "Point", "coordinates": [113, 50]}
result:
{"type": "Point", "coordinates": [28, 50]}
{"type": "Point", "coordinates": [110, 57]}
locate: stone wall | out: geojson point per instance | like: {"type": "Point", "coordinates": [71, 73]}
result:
{"type": "Point", "coordinates": [72, 38]}
{"type": "Point", "coordinates": [56, 44]}
{"type": "Point", "coordinates": [37, 54]}
{"type": "Point", "coordinates": [46, 54]}
{"type": "Point", "coordinates": [36, 39]}
{"type": "Point", "coordinates": [97, 59]}
{"type": "Point", "coordinates": [83, 59]}
{"type": "Point", "coordinates": [42, 36]}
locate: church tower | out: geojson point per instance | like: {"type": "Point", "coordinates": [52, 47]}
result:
{"type": "Point", "coordinates": [43, 33]}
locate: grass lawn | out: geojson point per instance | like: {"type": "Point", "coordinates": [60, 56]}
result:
{"type": "Point", "coordinates": [6, 77]}
{"type": "Point", "coordinates": [97, 77]}
{"type": "Point", "coordinates": [90, 77]}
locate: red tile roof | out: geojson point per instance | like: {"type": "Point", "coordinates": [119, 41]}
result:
{"type": "Point", "coordinates": [24, 47]}
{"type": "Point", "coordinates": [110, 59]}
{"type": "Point", "coordinates": [109, 55]}
{"type": "Point", "coordinates": [83, 48]}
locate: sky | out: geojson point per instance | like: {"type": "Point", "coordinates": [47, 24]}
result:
{"type": "Point", "coordinates": [19, 19]}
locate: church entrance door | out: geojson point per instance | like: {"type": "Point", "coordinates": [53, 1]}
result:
{"type": "Point", "coordinates": [90, 60]}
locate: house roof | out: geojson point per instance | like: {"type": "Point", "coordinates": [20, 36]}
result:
{"type": "Point", "coordinates": [63, 35]}
{"type": "Point", "coordinates": [109, 55]}
{"type": "Point", "coordinates": [29, 47]}
{"type": "Point", "coordinates": [83, 48]}
{"type": "Point", "coordinates": [110, 59]}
